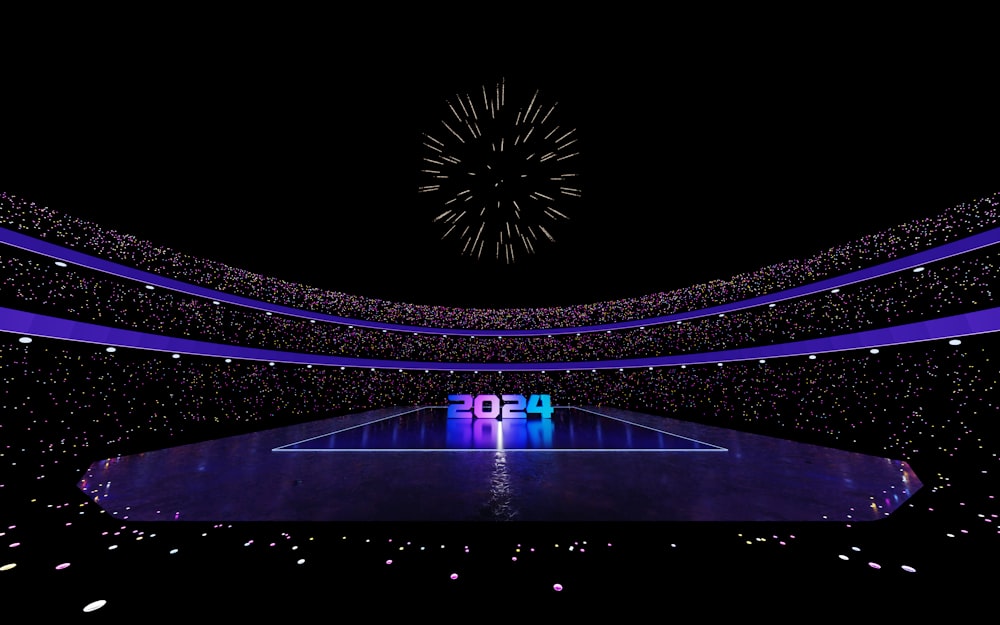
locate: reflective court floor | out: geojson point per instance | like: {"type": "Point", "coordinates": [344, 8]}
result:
{"type": "Point", "coordinates": [416, 464]}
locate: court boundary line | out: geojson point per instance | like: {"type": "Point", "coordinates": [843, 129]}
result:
{"type": "Point", "coordinates": [284, 448]}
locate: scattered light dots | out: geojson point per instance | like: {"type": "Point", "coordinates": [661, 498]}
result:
{"type": "Point", "coordinates": [95, 605]}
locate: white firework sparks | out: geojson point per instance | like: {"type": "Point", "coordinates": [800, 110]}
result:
{"type": "Point", "coordinates": [502, 174]}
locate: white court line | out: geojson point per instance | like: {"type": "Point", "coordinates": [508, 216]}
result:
{"type": "Point", "coordinates": [284, 448]}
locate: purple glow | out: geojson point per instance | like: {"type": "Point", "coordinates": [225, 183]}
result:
{"type": "Point", "coordinates": [970, 243]}
{"type": "Point", "coordinates": [978, 322]}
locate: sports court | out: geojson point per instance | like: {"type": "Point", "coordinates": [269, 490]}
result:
{"type": "Point", "coordinates": [417, 464]}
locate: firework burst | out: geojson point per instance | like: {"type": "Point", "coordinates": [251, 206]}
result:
{"type": "Point", "coordinates": [502, 172]}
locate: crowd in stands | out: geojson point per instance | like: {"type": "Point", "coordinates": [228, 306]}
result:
{"type": "Point", "coordinates": [50, 386]}
{"type": "Point", "coordinates": [53, 225]}
{"type": "Point", "coordinates": [950, 286]}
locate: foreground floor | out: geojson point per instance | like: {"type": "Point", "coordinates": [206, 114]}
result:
{"type": "Point", "coordinates": [581, 465]}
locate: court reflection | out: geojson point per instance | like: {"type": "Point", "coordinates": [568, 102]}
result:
{"type": "Point", "coordinates": [499, 434]}
{"type": "Point", "coordinates": [583, 464]}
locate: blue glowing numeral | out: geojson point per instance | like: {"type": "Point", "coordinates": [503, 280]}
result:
{"type": "Point", "coordinates": [540, 404]}
{"type": "Point", "coordinates": [461, 410]}
{"type": "Point", "coordinates": [513, 407]}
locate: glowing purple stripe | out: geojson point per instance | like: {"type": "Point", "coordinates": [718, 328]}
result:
{"type": "Point", "coordinates": [962, 246]}
{"type": "Point", "coordinates": [966, 324]}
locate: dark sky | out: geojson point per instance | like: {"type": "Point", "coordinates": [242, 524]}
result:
{"type": "Point", "coordinates": [694, 162]}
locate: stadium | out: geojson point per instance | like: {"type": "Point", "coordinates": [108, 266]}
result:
{"type": "Point", "coordinates": [115, 349]}
{"type": "Point", "coordinates": [699, 325]}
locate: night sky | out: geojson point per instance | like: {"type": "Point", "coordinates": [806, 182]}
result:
{"type": "Point", "coordinates": [693, 162]}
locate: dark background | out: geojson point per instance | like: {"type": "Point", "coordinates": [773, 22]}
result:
{"type": "Point", "coordinates": [287, 142]}
{"type": "Point", "coordinates": [705, 151]}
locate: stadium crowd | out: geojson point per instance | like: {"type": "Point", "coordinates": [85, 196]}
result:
{"type": "Point", "coordinates": [67, 404]}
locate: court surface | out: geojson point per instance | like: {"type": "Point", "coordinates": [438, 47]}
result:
{"type": "Point", "coordinates": [416, 464]}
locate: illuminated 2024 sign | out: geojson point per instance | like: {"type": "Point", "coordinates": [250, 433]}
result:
{"type": "Point", "coordinates": [466, 406]}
